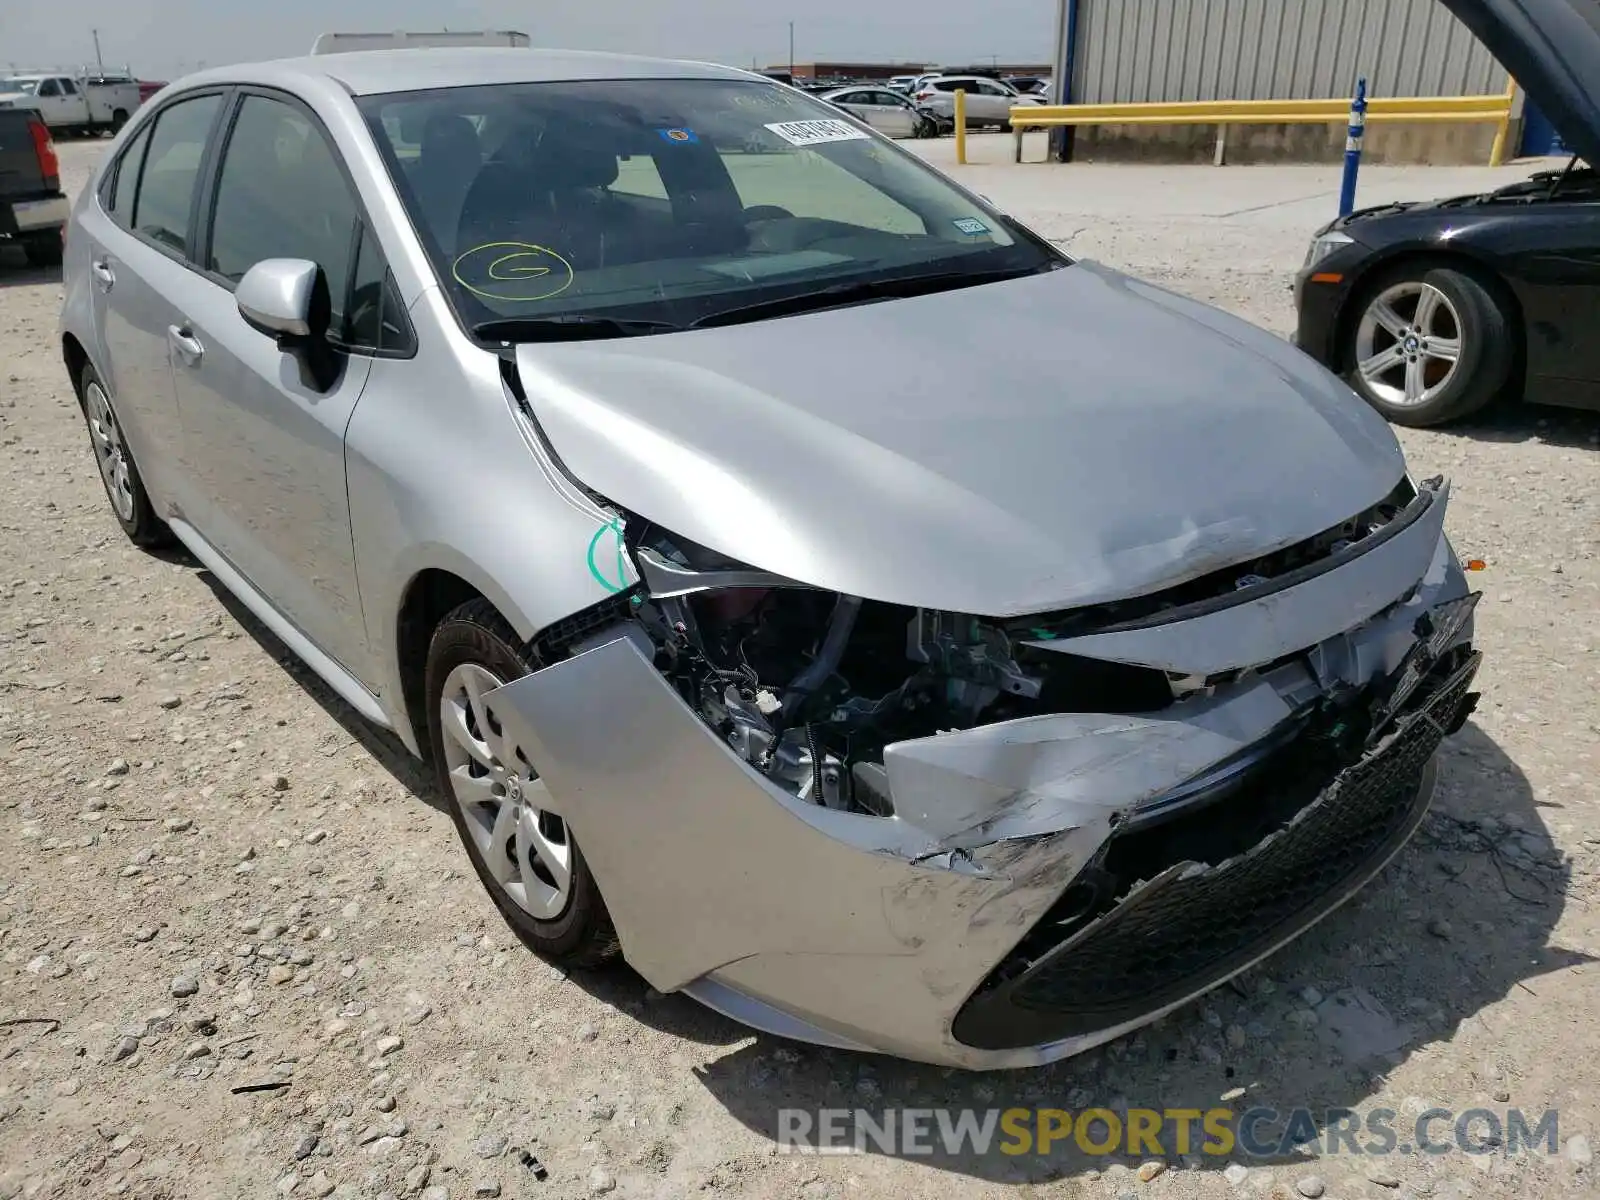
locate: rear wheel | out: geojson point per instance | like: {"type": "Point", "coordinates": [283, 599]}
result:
{"type": "Point", "coordinates": [1429, 346]}
{"type": "Point", "coordinates": [130, 503]}
{"type": "Point", "coordinates": [119, 118]}
{"type": "Point", "coordinates": [524, 853]}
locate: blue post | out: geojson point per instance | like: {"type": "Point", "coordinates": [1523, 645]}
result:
{"type": "Point", "coordinates": [1352, 148]}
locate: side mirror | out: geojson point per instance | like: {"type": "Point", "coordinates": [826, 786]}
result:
{"type": "Point", "coordinates": [277, 297]}
{"type": "Point", "coordinates": [287, 299]}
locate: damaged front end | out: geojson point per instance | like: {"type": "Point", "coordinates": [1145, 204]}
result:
{"type": "Point", "coordinates": [994, 842]}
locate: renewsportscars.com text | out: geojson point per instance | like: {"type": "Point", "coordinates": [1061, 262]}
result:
{"type": "Point", "coordinates": [1254, 1132]}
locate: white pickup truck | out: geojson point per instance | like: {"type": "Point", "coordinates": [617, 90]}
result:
{"type": "Point", "coordinates": [69, 104]}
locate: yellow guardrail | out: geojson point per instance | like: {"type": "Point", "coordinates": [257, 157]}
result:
{"type": "Point", "coordinates": [1423, 109]}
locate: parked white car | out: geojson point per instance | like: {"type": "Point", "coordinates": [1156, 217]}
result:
{"type": "Point", "coordinates": [989, 102]}
{"type": "Point", "coordinates": [70, 103]}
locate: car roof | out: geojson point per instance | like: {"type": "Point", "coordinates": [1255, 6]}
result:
{"type": "Point", "coordinates": [373, 72]}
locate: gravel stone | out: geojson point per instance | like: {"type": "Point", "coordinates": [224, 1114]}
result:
{"type": "Point", "coordinates": [1310, 1187]}
{"type": "Point", "coordinates": [184, 985]}
{"type": "Point", "coordinates": [490, 1145]}
{"type": "Point", "coordinates": [601, 1181]}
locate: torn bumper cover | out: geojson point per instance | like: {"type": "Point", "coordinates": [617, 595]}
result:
{"type": "Point", "coordinates": [1044, 884]}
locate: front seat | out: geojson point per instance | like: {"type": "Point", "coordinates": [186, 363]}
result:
{"type": "Point", "coordinates": [448, 161]}
{"type": "Point", "coordinates": [553, 195]}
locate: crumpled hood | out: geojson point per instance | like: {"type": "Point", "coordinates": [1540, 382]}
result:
{"type": "Point", "coordinates": [1043, 443]}
{"type": "Point", "coordinates": [1551, 48]}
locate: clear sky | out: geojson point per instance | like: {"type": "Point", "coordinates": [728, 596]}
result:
{"type": "Point", "coordinates": [161, 39]}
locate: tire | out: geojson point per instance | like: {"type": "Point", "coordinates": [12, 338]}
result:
{"type": "Point", "coordinates": [119, 474]}
{"type": "Point", "coordinates": [1384, 334]}
{"type": "Point", "coordinates": [475, 637]}
{"type": "Point", "coordinates": [119, 118]}
{"type": "Point", "coordinates": [43, 249]}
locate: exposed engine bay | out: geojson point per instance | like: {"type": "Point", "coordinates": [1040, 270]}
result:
{"type": "Point", "coordinates": [809, 686]}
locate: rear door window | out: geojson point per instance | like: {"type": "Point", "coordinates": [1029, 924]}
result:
{"type": "Point", "coordinates": [166, 196]}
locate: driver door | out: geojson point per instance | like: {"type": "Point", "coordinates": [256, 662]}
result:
{"type": "Point", "coordinates": [265, 443]}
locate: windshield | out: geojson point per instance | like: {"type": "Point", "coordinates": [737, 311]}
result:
{"type": "Point", "coordinates": [660, 202]}
{"type": "Point", "coordinates": [26, 86]}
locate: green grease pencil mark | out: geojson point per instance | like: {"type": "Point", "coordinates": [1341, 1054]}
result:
{"type": "Point", "coordinates": [620, 581]}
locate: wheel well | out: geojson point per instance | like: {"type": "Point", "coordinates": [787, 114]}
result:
{"type": "Point", "coordinates": [429, 597]}
{"type": "Point", "coordinates": [76, 358]}
{"type": "Point", "coordinates": [1426, 260]}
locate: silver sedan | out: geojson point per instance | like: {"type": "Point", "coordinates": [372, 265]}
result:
{"type": "Point", "coordinates": [888, 112]}
{"type": "Point", "coordinates": [628, 438]}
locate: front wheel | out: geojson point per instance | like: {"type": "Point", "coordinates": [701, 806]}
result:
{"type": "Point", "coordinates": [524, 853]}
{"type": "Point", "coordinates": [1429, 346]}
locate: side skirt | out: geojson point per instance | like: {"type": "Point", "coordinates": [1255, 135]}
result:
{"type": "Point", "coordinates": [350, 689]}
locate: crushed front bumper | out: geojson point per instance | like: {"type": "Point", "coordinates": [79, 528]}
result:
{"type": "Point", "coordinates": [957, 931]}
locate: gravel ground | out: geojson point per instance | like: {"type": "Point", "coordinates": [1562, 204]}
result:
{"type": "Point", "coordinates": [242, 955]}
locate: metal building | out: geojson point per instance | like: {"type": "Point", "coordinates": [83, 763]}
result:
{"type": "Point", "coordinates": [1138, 50]}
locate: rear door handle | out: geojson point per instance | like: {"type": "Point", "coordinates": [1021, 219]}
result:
{"type": "Point", "coordinates": [103, 274]}
{"type": "Point", "coordinates": [185, 343]}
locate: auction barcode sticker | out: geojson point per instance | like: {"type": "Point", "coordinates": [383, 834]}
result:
{"type": "Point", "coordinates": [814, 133]}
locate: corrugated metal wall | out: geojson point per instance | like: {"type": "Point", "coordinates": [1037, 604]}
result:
{"type": "Point", "coordinates": [1136, 50]}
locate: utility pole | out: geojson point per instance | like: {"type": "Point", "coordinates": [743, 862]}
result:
{"type": "Point", "coordinates": [791, 51]}
{"type": "Point", "coordinates": [98, 61]}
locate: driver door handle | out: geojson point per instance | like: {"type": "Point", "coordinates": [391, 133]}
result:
{"type": "Point", "coordinates": [185, 343]}
{"type": "Point", "coordinates": [103, 274]}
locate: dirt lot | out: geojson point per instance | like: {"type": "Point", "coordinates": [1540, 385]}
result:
{"type": "Point", "coordinates": [213, 877]}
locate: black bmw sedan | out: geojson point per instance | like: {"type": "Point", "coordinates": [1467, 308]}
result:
{"type": "Point", "coordinates": [1434, 309]}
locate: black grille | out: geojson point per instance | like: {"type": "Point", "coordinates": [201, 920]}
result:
{"type": "Point", "coordinates": [1193, 925]}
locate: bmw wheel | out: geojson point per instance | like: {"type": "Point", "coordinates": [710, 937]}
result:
{"type": "Point", "coordinates": [1428, 346]}
{"type": "Point", "coordinates": [130, 503]}
{"type": "Point", "coordinates": [522, 851]}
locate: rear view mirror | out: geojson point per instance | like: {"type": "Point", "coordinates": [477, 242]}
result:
{"type": "Point", "coordinates": [287, 299]}
{"type": "Point", "coordinates": [277, 297]}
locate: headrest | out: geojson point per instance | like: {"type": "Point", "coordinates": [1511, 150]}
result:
{"type": "Point", "coordinates": [450, 133]}
{"type": "Point", "coordinates": [563, 162]}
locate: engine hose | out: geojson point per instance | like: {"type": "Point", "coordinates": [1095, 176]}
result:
{"type": "Point", "coordinates": [840, 625]}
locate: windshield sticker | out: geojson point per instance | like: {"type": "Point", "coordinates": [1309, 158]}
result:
{"type": "Point", "coordinates": [679, 137]}
{"type": "Point", "coordinates": [519, 272]}
{"type": "Point", "coordinates": [817, 133]}
{"type": "Point", "coordinates": [970, 225]}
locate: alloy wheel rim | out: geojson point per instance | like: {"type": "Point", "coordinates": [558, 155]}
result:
{"type": "Point", "coordinates": [524, 845]}
{"type": "Point", "coordinates": [1408, 344]}
{"type": "Point", "coordinates": [109, 453]}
